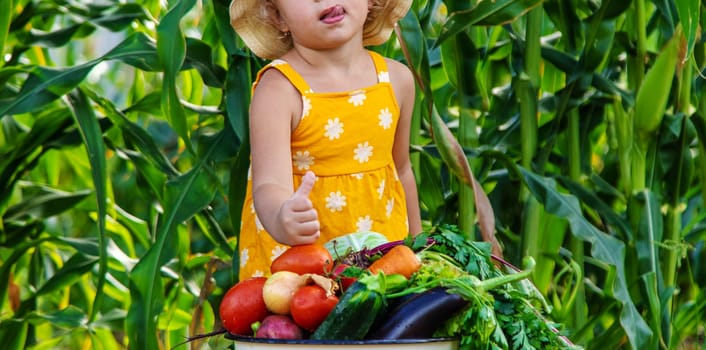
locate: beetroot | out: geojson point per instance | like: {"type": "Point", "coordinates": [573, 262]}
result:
{"type": "Point", "coordinates": [279, 327]}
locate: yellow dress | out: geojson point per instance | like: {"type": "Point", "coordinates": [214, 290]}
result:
{"type": "Point", "coordinates": [346, 139]}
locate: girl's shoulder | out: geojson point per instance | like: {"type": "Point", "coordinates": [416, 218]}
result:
{"type": "Point", "coordinates": [283, 74]}
{"type": "Point", "coordinates": [398, 70]}
{"type": "Point", "coordinates": [280, 78]}
{"type": "Point", "coordinates": [272, 79]}
{"type": "Point", "coordinates": [401, 76]}
{"type": "Point", "coordinates": [274, 85]}
{"type": "Point", "coordinates": [393, 64]}
{"type": "Point", "coordinates": [273, 73]}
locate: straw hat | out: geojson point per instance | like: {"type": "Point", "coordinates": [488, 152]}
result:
{"type": "Point", "coordinates": [249, 19]}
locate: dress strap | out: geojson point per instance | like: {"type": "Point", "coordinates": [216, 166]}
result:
{"type": "Point", "coordinates": [380, 67]}
{"type": "Point", "coordinates": [289, 72]}
{"type": "Point", "coordinates": [301, 85]}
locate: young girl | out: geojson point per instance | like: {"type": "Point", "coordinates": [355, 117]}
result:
{"type": "Point", "coordinates": [329, 126]}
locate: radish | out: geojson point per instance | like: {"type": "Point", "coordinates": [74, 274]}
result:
{"type": "Point", "coordinates": [279, 327]}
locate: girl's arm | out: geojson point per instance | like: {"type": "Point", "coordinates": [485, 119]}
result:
{"type": "Point", "coordinates": [403, 84]}
{"type": "Point", "coordinates": [288, 216]}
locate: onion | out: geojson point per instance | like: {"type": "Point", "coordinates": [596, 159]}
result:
{"type": "Point", "coordinates": [279, 290]}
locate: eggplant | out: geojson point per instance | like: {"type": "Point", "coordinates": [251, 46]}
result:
{"type": "Point", "coordinates": [419, 316]}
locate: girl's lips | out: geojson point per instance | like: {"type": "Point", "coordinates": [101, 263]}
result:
{"type": "Point", "coordinates": [332, 14]}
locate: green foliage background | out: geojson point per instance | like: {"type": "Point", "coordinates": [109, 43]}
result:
{"type": "Point", "coordinates": [570, 130]}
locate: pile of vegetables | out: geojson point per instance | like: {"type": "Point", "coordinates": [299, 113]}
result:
{"type": "Point", "coordinates": [292, 301]}
{"type": "Point", "coordinates": [434, 285]}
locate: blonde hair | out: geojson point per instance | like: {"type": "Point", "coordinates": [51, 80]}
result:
{"type": "Point", "coordinates": [376, 7]}
{"type": "Point", "coordinates": [268, 10]}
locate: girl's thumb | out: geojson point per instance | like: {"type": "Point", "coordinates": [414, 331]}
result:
{"type": "Point", "coordinates": [307, 184]}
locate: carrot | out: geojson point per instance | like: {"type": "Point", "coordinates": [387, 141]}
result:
{"type": "Point", "coordinates": [400, 259]}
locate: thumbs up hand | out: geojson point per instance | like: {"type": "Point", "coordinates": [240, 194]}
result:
{"type": "Point", "coordinates": [306, 186]}
{"type": "Point", "coordinates": [297, 217]}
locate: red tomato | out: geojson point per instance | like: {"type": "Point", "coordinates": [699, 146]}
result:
{"type": "Point", "coordinates": [345, 281]}
{"type": "Point", "coordinates": [310, 305]}
{"type": "Point", "coordinates": [307, 258]}
{"type": "Point", "coordinates": [243, 305]}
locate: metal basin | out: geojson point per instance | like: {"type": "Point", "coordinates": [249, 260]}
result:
{"type": "Point", "coordinates": [248, 343]}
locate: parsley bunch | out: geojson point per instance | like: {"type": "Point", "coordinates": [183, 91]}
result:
{"type": "Point", "coordinates": [499, 315]}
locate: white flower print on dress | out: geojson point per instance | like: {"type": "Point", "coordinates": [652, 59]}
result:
{"type": "Point", "coordinates": [357, 98]}
{"type": "Point", "coordinates": [335, 201]}
{"type": "Point", "coordinates": [358, 176]}
{"type": "Point", "coordinates": [258, 224]}
{"type": "Point", "coordinates": [385, 118]}
{"type": "Point", "coordinates": [306, 106]}
{"type": "Point", "coordinates": [364, 223]}
{"type": "Point", "coordinates": [388, 207]}
{"type": "Point", "coordinates": [277, 251]}
{"type": "Point", "coordinates": [334, 129]}
{"type": "Point", "coordinates": [303, 160]}
{"type": "Point", "coordinates": [363, 152]}
{"type": "Point", "coordinates": [258, 273]}
{"type": "Point", "coordinates": [384, 77]}
{"type": "Point", "coordinates": [381, 188]}
{"type": "Point", "coordinates": [244, 257]}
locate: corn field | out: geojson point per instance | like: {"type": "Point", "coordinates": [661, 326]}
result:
{"type": "Point", "coordinates": [572, 131]}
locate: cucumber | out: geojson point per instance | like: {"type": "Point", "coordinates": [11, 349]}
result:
{"type": "Point", "coordinates": [353, 316]}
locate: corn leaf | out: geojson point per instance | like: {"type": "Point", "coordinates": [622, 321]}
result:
{"type": "Point", "coordinates": [486, 13]}
{"type": "Point", "coordinates": [72, 270]}
{"type": "Point", "coordinates": [454, 156]}
{"type": "Point", "coordinates": [70, 317]}
{"type": "Point", "coordinates": [689, 12]}
{"type": "Point", "coordinates": [47, 84]}
{"type": "Point", "coordinates": [92, 137]}
{"type": "Point", "coordinates": [184, 197]}
{"type": "Point", "coordinates": [604, 247]}
{"type": "Point", "coordinates": [6, 11]}
{"type": "Point", "coordinates": [171, 48]}
{"type": "Point", "coordinates": [45, 203]}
